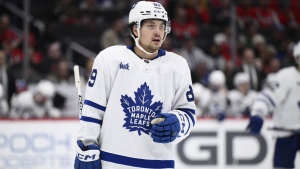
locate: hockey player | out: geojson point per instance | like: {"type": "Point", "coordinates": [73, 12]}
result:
{"type": "Point", "coordinates": [241, 98]}
{"type": "Point", "coordinates": [217, 104]}
{"type": "Point", "coordinates": [3, 103]}
{"type": "Point", "coordinates": [130, 87]}
{"type": "Point", "coordinates": [202, 98]}
{"type": "Point", "coordinates": [283, 99]}
{"type": "Point", "coordinates": [35, 103]}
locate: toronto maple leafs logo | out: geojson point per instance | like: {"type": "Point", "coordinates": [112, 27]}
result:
{"type": "Point", "coordinates": [140, 111]}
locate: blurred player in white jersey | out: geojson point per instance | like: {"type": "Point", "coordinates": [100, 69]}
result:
{"type": "Point", "coordinates": [35, 103]}
{"type": "Point", "coordinates": [3, 103]}
{"type": "Point", "coordinates": [217, 104]}
{"type": "Point", "coordinates": [139, 99]}
{"type": "Point", "coordinates": [202, 97]}
{"type": "Point", "coordinates": [241, 98]}
{"type": "Point", "coordinates": [282, 97]}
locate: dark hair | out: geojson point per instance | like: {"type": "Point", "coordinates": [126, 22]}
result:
{"type": "Point", "coordinates": [129, 37]}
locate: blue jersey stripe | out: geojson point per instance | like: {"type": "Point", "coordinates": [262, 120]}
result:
{"type": "Point", "coordinates": [189, 126]}
{"type": "Point", "coordinates": [263, 100]}
{"type": "Point", "coordinates": [90, 119]}
{"type": "Point", "coordinates": [189, 112]}
{"type": "Point", "coordinates": [269, 98]}
{"type": "Point", "coordinates": [136, 162]}
{"type": "Point", "coordinates": [95, 105]}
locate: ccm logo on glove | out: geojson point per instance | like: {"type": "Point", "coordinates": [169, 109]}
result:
{"type": "Point", "coordinates": [87, 157]}
{"type": "Point", "coordinates": [83, 157]}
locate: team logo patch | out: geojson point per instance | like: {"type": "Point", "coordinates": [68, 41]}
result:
{"type": "Point", "coordinates": [140, 111]}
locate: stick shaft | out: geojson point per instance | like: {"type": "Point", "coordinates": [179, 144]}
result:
{"type": "Point", "coordinates": [77, 84]}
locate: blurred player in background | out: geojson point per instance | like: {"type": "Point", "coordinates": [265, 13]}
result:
{"type": "Point", "coordinates": [4, 108]}
{"type": "Point", "coordinates": [241, 98]}
{"type": "Point", "coordinates": [35, 103]}
{"type": "Point", "coordinates": [217, 104]}
{"type": "Point", "coordinates": [282, 97]}
{"type": "Point", "coordinates": [131, 89]}
{"type": "Point", "coordinates": [202, 98]}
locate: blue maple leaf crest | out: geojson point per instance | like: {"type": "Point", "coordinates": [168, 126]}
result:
{"type": "Point", "coordinates": [140, 111]}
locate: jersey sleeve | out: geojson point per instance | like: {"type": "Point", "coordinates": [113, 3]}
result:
{"type": "Point", "coordinates": [184, 106]}
{"type": "Point", "coordinates": [273, 95]}
{"type": "Point", "coordinates": [96, 96]}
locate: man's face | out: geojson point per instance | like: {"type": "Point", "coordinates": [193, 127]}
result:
{"type": "Point", "coordinates": [249, 56]}
{"type": "Point", "coordinates": [243, 87]}
{"type": "Point", "coordinates": [151, 34]}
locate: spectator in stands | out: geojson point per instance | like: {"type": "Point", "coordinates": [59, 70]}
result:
{"type": "Point", "coordinates": [89, 5]}
{"type": "Point", "coordinates": [249, 66]}
{"type": "Point", "coordinates": [266, 53]}
{"type": "Point", "coordinates": [245, 13]}
{"type": "Point", "coordinates": [8, 37]}
{"type": "Point", "coordinates": [66, 11]}
{"type": "Point", "coordinates": [265, 15]}
{"type": "Point", "coordinates": [251, 30]}
{"type": "Point", "coordinates": [201, 74]}
{"type": "Point", "coordinates": [54, 54]}
{"type": "Point", "coordinates": [215, 60]}
{"type": "Point", "coordinates": [294, 7]}
{"type": "Point", "coordinates": [242, 97]}
{"type": "Point", "coordinates": [193, 54]}
{"type": "Point", "coordinates": [222, 39]}
{"type": "Point", "coordinates": [114, 35]}
{"type": "Point", "coordinates": [286, 16]}
{"type": "Point", "coordinates": [36, 69]}
{"type": "Point", "coordinates": [35, 103]}
{"type": "Point", "coordinates": [181, 26]}
{"type": "Point", "coordinates": [274, 67]}
{"type": "Point", "coordinates": [62, 74]}
{"type": "Point", "coordinates": [203, 13]}
{"type": "Point", "coordinates": [221, 13]}
{"type": "Point", "coordinates": [7, 79]}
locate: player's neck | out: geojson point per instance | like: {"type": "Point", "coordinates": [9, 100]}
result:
{"type": "Point", "coordinates": [144, 55]}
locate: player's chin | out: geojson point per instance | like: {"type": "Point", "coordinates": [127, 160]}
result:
{"type": "Point", "coordinates": [155, 47]}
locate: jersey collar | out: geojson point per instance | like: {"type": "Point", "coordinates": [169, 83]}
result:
{"type": "Point", "coordinates": [161, 52]}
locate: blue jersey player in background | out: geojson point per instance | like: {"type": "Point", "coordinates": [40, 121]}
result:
{"type": "Point", "coordinates": [130, 87]}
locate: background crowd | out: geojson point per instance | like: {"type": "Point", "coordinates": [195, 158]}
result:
{"type": "Point", "coordinates": [233, 48]}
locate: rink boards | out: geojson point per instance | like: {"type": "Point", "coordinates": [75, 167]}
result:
{"type": "Point", "coordinates": [49, 144]}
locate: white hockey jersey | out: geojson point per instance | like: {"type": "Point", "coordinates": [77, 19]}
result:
{"type": "Point", "coordinates": [240, 103]}
{"type": "Point", "coordinates": [24, 106]}
{"type": "Point", "coordinates": [123, 95]}
{"type": "Point", "coordinates": [282, 97]}
{"type": "Point", "coordinates": [217, 103]}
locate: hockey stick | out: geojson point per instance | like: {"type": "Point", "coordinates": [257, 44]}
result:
{"type": "Point", "coordinates": [285, 130]}
{"type": "Point", "coordinates": [77, 84]}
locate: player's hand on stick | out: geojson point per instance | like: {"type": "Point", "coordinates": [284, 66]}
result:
{"type": "Point", "coordinates": [87, 157]}
{"type": "Point", "coordinates": [255, 125]}
{"type": "Point", "coordinates": [165, 128]}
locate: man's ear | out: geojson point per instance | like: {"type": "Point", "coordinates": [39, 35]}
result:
{"type": "Point", "coordinates": [134, 31]}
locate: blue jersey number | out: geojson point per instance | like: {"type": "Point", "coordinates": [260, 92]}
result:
{"type": "Point", "coordinates": [92, 78]}
{"type": "Point", "coordinates": [190, 94]}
